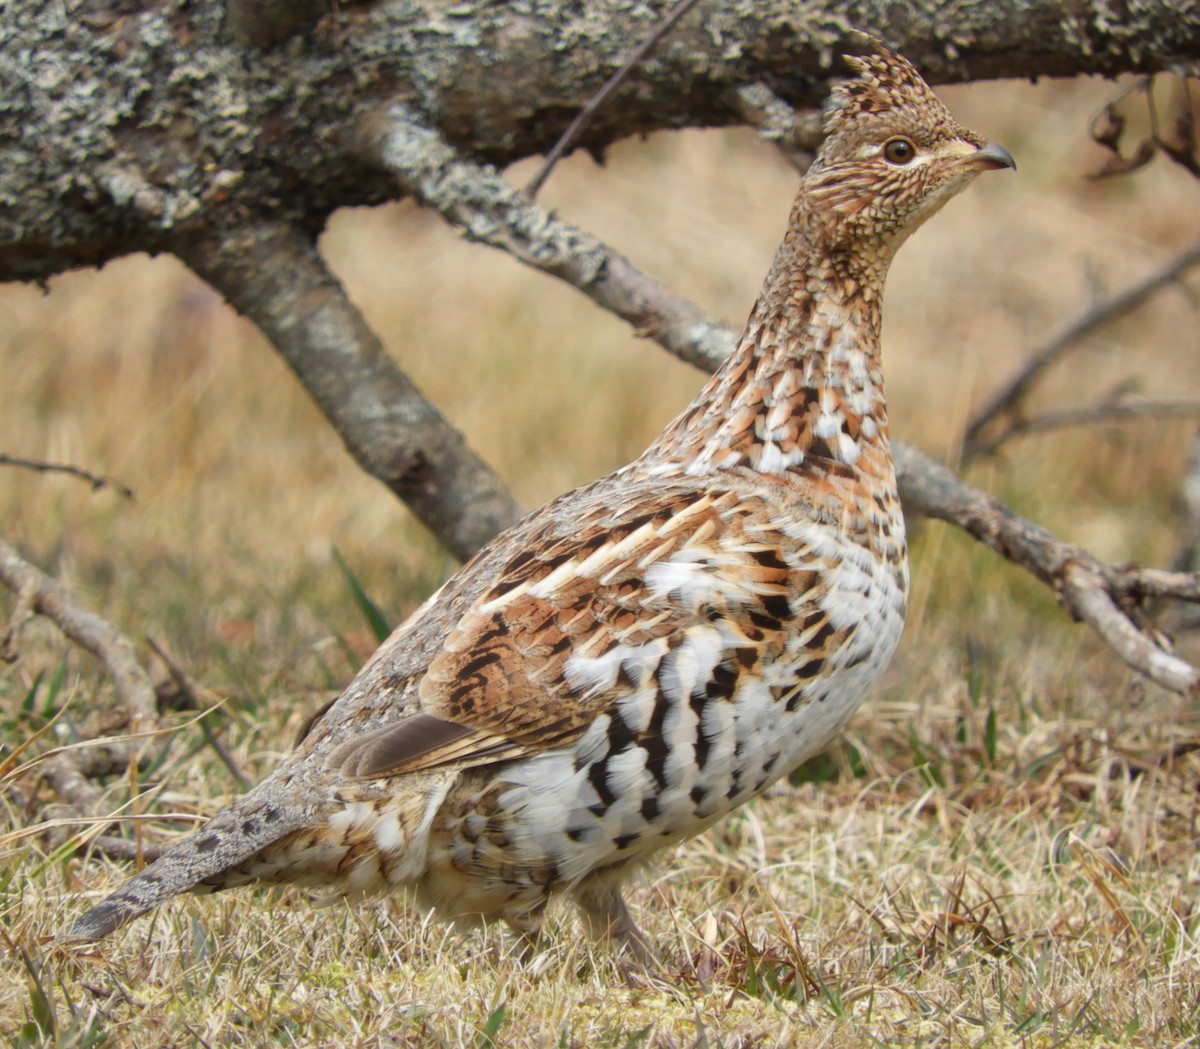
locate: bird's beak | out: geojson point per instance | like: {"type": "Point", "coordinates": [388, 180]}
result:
{"type": "Point", "coordinates": [990, 157]}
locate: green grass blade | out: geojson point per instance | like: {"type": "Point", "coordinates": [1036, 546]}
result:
{"type": "Point", "coordinates": [375, 618]}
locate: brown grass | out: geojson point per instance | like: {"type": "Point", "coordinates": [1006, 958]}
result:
{"type": "Point", "coordinates": [1003, 851]}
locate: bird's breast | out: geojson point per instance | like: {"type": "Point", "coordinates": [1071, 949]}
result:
{"type": "Point", "coordinates": [781, 652]}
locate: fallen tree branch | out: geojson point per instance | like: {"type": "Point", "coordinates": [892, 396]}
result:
{"type": "Point", "coordinates": [1096, 415]}
{"type": "Point", "coordinates": [273, 274]}
{"type": "Point", "coordinates": [1009, 396]}
{"type": "Point", "coordinates": [479, 201]}
{"type": "Point", "coordinates": [67, 771]}
{"type": "Point", "coordinates": [1101, 595]}
{"type": "Point", "coordinates": [50, 598]}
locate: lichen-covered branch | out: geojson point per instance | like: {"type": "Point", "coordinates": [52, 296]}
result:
{"type": "Point", "coordinates": [239, 108]}
{"type": "Point", "coordinates": [489, 209]}
{"type": "Point", "coordinates": [482, 203]}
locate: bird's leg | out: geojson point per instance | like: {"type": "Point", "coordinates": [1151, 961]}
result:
{"type": "Point", "coordinates": [607, 917]}
{"type": "Point", "coordinates": [528, 927]}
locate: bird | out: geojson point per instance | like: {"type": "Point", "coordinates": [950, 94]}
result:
{"type": "Point", "coordinates": [640, 656]}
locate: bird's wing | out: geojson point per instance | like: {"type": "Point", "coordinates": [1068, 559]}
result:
{"type": "Point", "coordinates": [596, 607]}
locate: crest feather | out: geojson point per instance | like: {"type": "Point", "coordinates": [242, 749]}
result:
{"type": "Point", "coordinates": [885, 81]}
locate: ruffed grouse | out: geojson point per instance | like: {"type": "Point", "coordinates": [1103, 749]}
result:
{"type": "Point", "coordinates": [638, 657]}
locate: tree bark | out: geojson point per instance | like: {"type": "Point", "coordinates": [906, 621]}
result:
{"type": "Point", "coordinates": [273, 274]}
{"type": "Point", "coordinates": [241, 111]}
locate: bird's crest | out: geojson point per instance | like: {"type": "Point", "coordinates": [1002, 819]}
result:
{"type": "Point", "coordinates": [885, 82]}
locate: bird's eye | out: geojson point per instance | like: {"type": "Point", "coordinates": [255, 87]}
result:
{"type": "Point", "coordinates": [899, 151]}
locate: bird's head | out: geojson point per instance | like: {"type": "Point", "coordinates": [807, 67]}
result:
{"type": "Point", "coordinates": [893, 155]}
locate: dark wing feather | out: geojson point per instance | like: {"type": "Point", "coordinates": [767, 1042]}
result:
{"type": "Point", "coordinates": [417, 743]}
{"type": "Point", "coordinates": [501, 688]}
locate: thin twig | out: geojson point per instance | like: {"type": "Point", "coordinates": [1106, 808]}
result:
{"type": "Point", "coordinates": [609, 88]}
{"type": "Point", "coordinates": [1097, 415]}
{"type": "Point", "coordinates": [1111, 309]}
{"type": "Point", "coordinates": [189, 690]}
{"type": "Point", "coordinates": [95, 480]}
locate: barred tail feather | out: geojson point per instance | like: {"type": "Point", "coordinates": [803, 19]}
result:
{"type": "Point", "coordinates": [228, 839]}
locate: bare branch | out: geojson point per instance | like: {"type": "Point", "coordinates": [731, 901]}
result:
{"type": "Point", "coordinates": [798, 135]}
{"type": "Point", "coordinates": [607, 90]}
{"type": "Point", "coordinates": [50, 598]}
{"type": "Point", "coordinates": [1096, 415]}
{"type": "Point", "coordinates": [1086, 587]}
{"type": "Point", "coordinates": [482, 203]}
{"type": "Point", "coordinates": [489, 209]}
{"type": "Point", "coordinates": [95, 480]}
{"type": "Point", "coordinates": [68, 771]}
{"type": "Point", "coordinates": [1085, 592]}
{"type": "Point", "coordinates": [273, 274]}
{"type": "Point", "coordinates": [1096, 317]}
{"type": "Point", "coordinates": [190, 692]}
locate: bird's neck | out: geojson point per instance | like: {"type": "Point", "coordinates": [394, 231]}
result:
{"type": "Point", "coordinates": [803, 390]}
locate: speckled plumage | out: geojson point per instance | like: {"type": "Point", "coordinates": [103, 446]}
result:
{"type": "Point", "coordinates": [638, 657]}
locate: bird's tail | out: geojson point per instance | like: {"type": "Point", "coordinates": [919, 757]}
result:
{"type": "Point", "coordinates": [228, 839]}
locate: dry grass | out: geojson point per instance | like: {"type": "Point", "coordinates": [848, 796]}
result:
{"type": "Point", "coordinates": [1003, 853]}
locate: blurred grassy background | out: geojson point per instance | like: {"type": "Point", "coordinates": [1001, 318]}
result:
{"type": "Point", "coordinates": [141, 372]}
